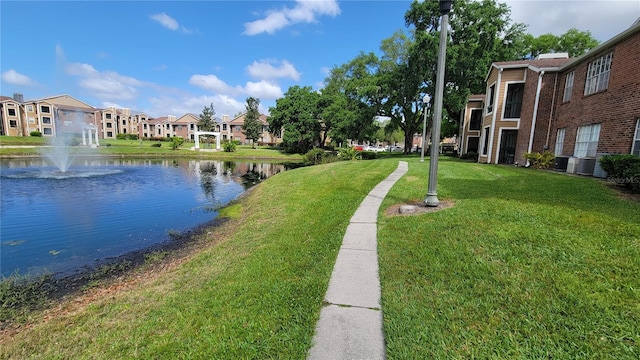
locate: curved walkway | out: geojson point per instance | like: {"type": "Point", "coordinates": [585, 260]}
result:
{"type": "Point", "coordinates": [350, 325]}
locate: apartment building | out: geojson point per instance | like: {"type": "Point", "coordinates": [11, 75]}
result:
{"type": "Point", "coordinates": [578, 108]}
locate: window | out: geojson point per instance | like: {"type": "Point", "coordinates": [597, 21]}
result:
{"type": "Point", "coordinates": [568, 86]}
{"type": "Point", "coordinates": [109, 125]}
{"type": "Point", "coordinates": [490, 98]}
{"type": "Point", "coordinates": [30, 108]}
{"type": "Point", "coordinates": [191, 126]}
{"type": "Point", "coordinates": [598, 74]}
{"type": "Point", "coordinates": [124, 122]}
{"type": "Point", "coordinates": [513, 103]}
{"type": "Point", "coordinates": [635, 148]}
{"type": "Point", "coordinates": [485, 144]}
{"type": "Point", "coordinates": [224, 127]}
{"type": "Point", "coordinates": [44, 109]}
{"type": "Point", "coordinates": [11, 112]}
{"type": "Point", "coordinates": [475, 122]}
{"type": "Point", "coordinates": [13, 123]}
{"type": "Point", "coordinates": [124, 130]}
{"type": "Point", "coordinates": [32, 120]}
{"type": "Point", "coordinates": [587, 141]}
{"type": "Point", "coordinates": [47, 131]}
{"type": "Point", "coordinates": [46, 120]}
{"type": "Point", "coordinates": [107, 116]}
{"type": "Point", "coordinates": [144, 126]}
{"type": "Point", "coordinates": [109, 134]}
{"type": "Point", "coordinates": [559, 141]}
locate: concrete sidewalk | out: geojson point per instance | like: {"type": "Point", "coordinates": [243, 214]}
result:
{"type": "Point", "coordinates": [350, 325]}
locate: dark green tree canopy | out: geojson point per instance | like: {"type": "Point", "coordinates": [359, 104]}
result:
{"type": "Point", "coordinates": [296, 117]}
{"type": "Point", "coordinates": [574, 42]}
{"type": "Point", "coordinates": [252, 127]}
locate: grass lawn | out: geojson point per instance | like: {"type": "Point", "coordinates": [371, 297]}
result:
{"type": "Point", "coordinates": [527, 264]}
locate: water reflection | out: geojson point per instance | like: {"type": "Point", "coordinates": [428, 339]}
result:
{"type": "Point", "coordinates": [62, 223]}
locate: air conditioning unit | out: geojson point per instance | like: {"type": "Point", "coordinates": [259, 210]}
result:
{"type": "Point", "coordinates": [572, 165]}
{"type": "Point", "coordinates": [586, 166]}
{"type": "Point", "coordinates": [561, 163]}
{"type": "Point", "coordinates": [598, 171]}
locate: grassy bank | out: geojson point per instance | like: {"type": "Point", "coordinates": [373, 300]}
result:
{"type": "Point", "coordinates": [527, 264]}
{"type": "Point", "coordinates": [34, 146]}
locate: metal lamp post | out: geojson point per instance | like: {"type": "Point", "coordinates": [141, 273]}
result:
{"type": "Point", "coordinates": [426, 101]}
{"type": "Point", "coordinates": [432, 195]}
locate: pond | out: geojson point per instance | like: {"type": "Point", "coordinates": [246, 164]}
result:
{"type": "Point", "coordinates": [55, 222]}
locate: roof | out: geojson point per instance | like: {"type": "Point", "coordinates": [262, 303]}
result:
{"type": "Point", "coordinates": [476, 97]}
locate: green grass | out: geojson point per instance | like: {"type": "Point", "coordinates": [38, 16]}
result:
{"type": "Point", "coordinates": [526, 265]}
{"type": "Point", "coordinates": [256, 294]}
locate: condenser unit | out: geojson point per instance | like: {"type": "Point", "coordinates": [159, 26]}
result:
{"type": "Point", "coordinates": [561, 163]}
{"type": "Point", "coordinates": [572, 165]}
{"type": "Point", "coordinates": [586, 166]}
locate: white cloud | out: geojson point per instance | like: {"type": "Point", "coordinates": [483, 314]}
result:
{"type": "Point", "coordinates": [604, 18]}
{"type": "Point", "coordinates": [212, 83]}
{"type": "Point", "coordinates": [169, 22]}
{"type": "Point", "coordinates": [13, 77]}
{"type": "Point", "coordinates": [265, 70]}
{"type": "Point", "coordinates": [166, 21]}
{"type": "Point", "coordinates": [222, 104]}
{"type": "Point", "coordinates": [263, 90]}
{"type": "Point", "coordinates": [304, 11]}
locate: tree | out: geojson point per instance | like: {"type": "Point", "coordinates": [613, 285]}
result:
{"type": "Point", "coordinates": [252, 127]}
{"type": "Point", "coordinates": [297, 115]}
{"type": "Point", "coordinates": [206, 122]}
{"type": "Point", "coordinates": [574, 42]}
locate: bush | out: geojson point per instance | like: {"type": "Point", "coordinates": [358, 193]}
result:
{"type": "Point", "coordinates": [156, 144]}
{"type": "Point", "coordinates": [229, 146]}
{"type": "Point", "coordinates": [623, 170]}
{"type": "Point", "coordinates": [132, 136]}
{"type": "Point", "coordinates": [349, 153]}
{"type": "Point", "coordinates": [121, 136]}
{"type": "Point", "coordinates": [36, 133]}
{"type": "Point", "coordinates": [470, 156]}
{"type": "Point", "coordinates": [176, 142]}
{"type": "Point", "coordinates": [540, 160]}
{"type": "Point", "coordinates": [368, 155]}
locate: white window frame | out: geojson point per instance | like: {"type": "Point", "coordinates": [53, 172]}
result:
{"type": "Point", "coordinates": [587, 141]}
{"type": "Point", "coordinates": [29, 108]}
{"type": "Point", "coordinates": [568, 86]}
{"type": "Point", "coordinates": [635, 147]}
{"type": "Point", "coordinates": [560, 141]}
{"type": "Point", "coordinates": [486, 132]}
{"type": "Point", "coordinates": [48, 120]}
{"type": "Point", "coordinates": [598, 74]}
{"type": "Point", "coordinates": [491, 98]}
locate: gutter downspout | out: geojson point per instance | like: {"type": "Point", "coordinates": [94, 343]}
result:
{"type": "Point", "coordinates": [552, 111]}
{"type": "Point", "coordinates": [535, 114]}
{"type": "Point", "coordinates": [493, 118]}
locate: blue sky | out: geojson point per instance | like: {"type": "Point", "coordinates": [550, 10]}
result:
{"type": "Point", "coordinates": [171, 58]}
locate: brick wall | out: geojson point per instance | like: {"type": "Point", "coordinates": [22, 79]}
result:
{"type": "Point", "coordinates": [615, 108]}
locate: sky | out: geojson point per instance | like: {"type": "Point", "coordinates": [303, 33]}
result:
{"type": "Point", "coordinates": [176, 57]}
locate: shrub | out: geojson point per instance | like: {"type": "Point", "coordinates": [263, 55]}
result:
{"type": "Point", "coordinates": [623, 170]}
{"type": "Point", "coordinates": [229, 146]}
{"type": "Point", "coordinates": [368, 155]}
{"type": "Point", "coordinates": [313, 156]}
{"type": "Point", "coordinates": [132, 136]}
{"type": "Point", "coordinates": [540, 160]}
{"type": "Point", "coordinates": [156, 144]}
{"type": "Point", "coordinates": [176, 142]}
{"type": "Point", "coordinates": [349, 153]}
{"type": "Point", "coordinates": [36, 133]}
{"type": "Point", "coordinates": [121, 136]}
{"type": "Point", "coordinates": [470, 156]}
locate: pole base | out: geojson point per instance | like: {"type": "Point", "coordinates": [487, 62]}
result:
{"type": "Point", "coordinates": [432, 200]}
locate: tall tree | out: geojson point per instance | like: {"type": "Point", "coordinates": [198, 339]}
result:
{"type": "Point", "coordinates": [252, 127]}
{"type": "Point", "coordinates": [295, 116]}
{"type": "Point", "coordinates": [207, 122]}
{"type": "Point", "coordinates": [480, 33]}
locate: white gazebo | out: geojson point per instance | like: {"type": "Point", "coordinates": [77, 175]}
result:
{"type": "Point", "coordinates": [197, 138]}
{"type": "Point", "coordinates": [89, 129]}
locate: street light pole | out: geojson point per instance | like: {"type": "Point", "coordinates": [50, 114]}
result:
{"type": "Point", "coordinates": [425, 100]}
{"type": "Point", "coordinates": [432, 195]}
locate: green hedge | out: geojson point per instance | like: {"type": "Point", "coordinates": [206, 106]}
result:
{"type": "Point", "coordinates": [623, 170]}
